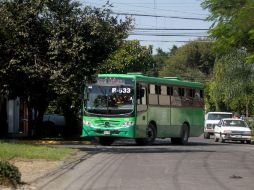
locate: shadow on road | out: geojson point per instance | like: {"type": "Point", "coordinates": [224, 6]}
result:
{"type": "Point", "coordinates": [145, 150]}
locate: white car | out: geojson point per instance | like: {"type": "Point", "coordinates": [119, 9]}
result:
{"type": "Point", "coordinates": [232, 129]}
{"type": "Point", "coordinates": [212, 119]}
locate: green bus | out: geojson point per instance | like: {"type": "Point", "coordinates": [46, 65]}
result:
{"type": "Point", "coordinates": [142, 108]}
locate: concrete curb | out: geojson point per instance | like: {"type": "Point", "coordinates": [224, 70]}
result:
{"type": "Point", "coordinates": [49, 142]}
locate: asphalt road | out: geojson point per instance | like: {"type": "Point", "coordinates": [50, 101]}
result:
{"type": "Point", "coordinates": [200, 165]}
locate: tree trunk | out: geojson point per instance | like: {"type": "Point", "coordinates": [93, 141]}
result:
{"type": "Point", "coordinates": [247, 106]}
{"type": "Point", "coordinates": [3, 117]}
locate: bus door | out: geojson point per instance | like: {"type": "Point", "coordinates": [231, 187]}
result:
{"type": "Point", "coordinates": [141, 110]}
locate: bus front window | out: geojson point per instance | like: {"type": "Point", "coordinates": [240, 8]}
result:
{"type": "Point", "coordinates": [110, 100]}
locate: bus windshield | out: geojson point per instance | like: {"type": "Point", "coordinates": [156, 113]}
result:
{"type": "Point", "coordinates": [110, 98]}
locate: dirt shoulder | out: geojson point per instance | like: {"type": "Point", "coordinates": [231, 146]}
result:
{"type": "Point", "coordinates": [33, 170]}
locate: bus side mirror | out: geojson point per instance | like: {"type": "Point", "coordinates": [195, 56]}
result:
{"type": "Point", "coordinates": [142, 93]}
{"type": "Point", "coordinates": [85, 97]}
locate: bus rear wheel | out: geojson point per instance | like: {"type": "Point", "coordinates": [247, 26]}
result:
{"type": "Point", "coordinates": [183, 140]}
{"type": "Point", "coordinates": [151, 136]}
{"type": "Point", "coordinates": [106, 141]}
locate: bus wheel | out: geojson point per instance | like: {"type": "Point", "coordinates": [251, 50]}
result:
{"type": "Point", "coordinates": [106, 141]}
{"type": "Point", "coordinates": [151, 135]}
{"type": "Point", "coordinates": [185, 134]}
{"type": "Point", "coordinates": [183, 140]}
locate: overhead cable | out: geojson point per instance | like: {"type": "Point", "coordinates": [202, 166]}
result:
{"type": "Point", "coordinates": [156, 16]}
{"type": "Point", "coordinates": [179, 41]}
{"type": "Point", "coordinates": [204, 29]}
{"type": "Point", "coordinates": [153, 34]}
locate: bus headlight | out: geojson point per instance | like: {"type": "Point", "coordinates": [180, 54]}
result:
{"type": "Point", "coordinates": [128, 123]}
{"type": "Point", "coordinates": [85, 122]}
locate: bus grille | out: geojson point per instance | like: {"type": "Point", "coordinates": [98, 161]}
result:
{"type": "Point", "coordinates": [238, 133]}
{"type": "Point", "coordinates": [107, 123]}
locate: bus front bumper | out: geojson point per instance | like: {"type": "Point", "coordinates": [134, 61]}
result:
{"type": "Point", "coordinates": [127, 132]}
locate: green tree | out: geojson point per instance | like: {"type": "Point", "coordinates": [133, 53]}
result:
{"type": "Point", "coordinates": [232, 83]}
{"type": "Point", "coordinates": [233, 25]}
{"type": "Point", "coordinates": [160, 60]}
{"type": "Point", "coordinates": [130, 57]}
{"type": "Point", "coordinates": [48, 47]}
{"type": "Point", "coordinates": [193, 61]}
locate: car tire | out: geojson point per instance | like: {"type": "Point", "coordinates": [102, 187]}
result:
{"type": "Point", "coordinates": [206, 135]}
{"type": "Point", "coordinates": [248, 141]}
{"type": "Point", "coordinates": [216, 139]}
{"type": "Point", "coordinates": [221, 139]}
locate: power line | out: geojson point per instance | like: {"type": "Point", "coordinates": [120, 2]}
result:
{"type": "Point", "coordinates": [153, 34]}
{"type": "Point", "coordinates": [159, 9]}
{"type": "Point", "coordinates": [178, 41]}
{"type": "Point", "coordinates": [171, 29]}
{"type": "Point", "coordinates": [156, 16]}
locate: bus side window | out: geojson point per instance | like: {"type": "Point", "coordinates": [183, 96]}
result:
{"type": "Point", "coordinates": [191, 93]}
{"type": "Point", "coordinates": [175, 91]}
{"type": "Point", "coordinates": [164, 98]}
{"type": "Point", "coordinates": [153, 94]}
{"type": "Point", "coordinates": [170, 91]}
{"type": "Point", "coordinates": [141, 94]}
{"type": "Point", "coordinates": [157, 89]}
{"type": "Point", "coordinates": [197, 94]}
{"type": "Point", "coordinates": [181, 91]}
{"type": "Point", "coordinates": [201, 94]}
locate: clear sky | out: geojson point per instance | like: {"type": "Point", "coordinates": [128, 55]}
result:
{"type": "Point", "coordinates": [155, 21]}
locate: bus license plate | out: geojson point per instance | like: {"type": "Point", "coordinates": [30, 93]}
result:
{"type": "Point", "coordinates": [106, 132]}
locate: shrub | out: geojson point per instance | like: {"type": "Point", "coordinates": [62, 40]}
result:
{"type": "Point", "coordinates": [10, 172]}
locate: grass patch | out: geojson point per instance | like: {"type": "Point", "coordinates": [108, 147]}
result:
{"type": "Point", "coordinates": [12, 150]}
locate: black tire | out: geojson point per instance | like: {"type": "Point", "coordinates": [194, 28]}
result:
{"type": "Point", "coordinates": [221, 139]}
{"type": "Point", "coordinates": [216, 139]}
{"type": "Point", "coordinates": [49, 129]}
{"type": "Point", "coordinates": [183, 140]}
{"type": "Point", "coordinates": [206, 135]}
{"type": "Point", "coordinates": [106, 141]}
{"type": "Point", "coordinates": [151, 136]}
{"type": "Point", "coordinates": [185, 135]}
{"type": "Point", "coordinates": [248, 141]}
